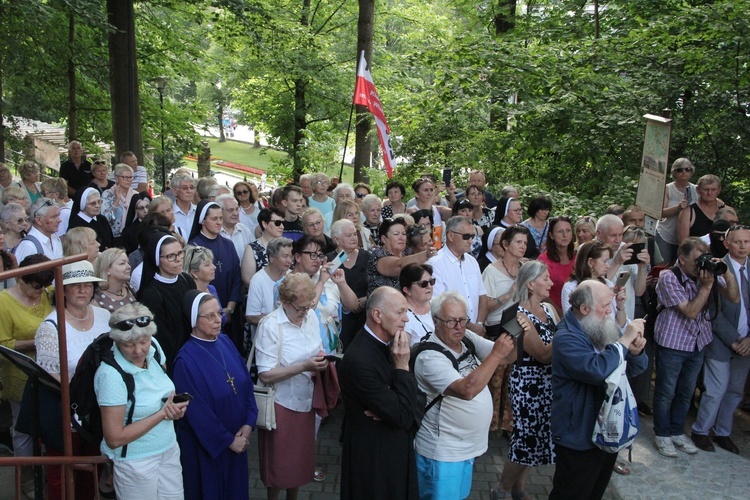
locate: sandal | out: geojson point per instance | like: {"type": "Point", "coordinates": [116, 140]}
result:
{"type": "Point", "coordinates": [622, 469]}
{"type": "Point", "coordinates": [498, 494]}
{"type": "Point", "coordinates": [520, 495]}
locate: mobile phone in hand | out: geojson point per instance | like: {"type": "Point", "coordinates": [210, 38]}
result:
{"type": "Point", "coordinates": [179, 398]}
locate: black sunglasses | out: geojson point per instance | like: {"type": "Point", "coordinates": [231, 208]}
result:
{"type": "Point", "coordinates": [464, 236]}
{"type": "Point", "coordinates": [47, 203]}
{"type": "Point", "coordinates": [277, 223]}
{"type": "Point", "coordinates": [128, 324]}
{"type": "Point", "coordinates": [424, 283]}
{"type": "Point", "coordinates": [238, 193]}
{"type": "Point", "coordinates": [680, 170]}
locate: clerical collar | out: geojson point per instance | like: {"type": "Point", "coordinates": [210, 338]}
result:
{"type": "Point", "coordinates": [86, 217]}
{"type": "Point", "coordinates": [203, 340]}
{"type": "Point", "coordinates": [168, 281]}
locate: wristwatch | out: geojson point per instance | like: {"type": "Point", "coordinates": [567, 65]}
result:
{"type": "Point", "coordinates": [499, 300]}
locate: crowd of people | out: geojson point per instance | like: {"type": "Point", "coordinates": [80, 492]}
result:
{"type": "Point", "coordinates": [401, 306]}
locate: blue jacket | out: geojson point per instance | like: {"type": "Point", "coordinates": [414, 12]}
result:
{"type": "Point", "coordinates": [578, 388]}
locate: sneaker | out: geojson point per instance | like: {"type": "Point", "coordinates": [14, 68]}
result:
{"type": "Point", "coordinates": [664, 446]}
{"type": "Point", "coordinates": [685, 444]}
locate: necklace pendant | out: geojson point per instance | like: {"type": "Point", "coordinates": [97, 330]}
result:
{"type": "Point", "coordinates": [230, 381]}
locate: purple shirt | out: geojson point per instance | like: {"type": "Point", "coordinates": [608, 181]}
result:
{"type": "Point", "coordinates": [673, 329]}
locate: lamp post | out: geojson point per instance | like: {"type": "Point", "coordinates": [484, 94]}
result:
{"type": "Point", "coordinates": [161, 84]}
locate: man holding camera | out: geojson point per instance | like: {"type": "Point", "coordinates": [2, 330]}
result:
{"type": "Point", "coordinates": [681, 333]}
{"type": "Point", "coordinates": [728, 355]}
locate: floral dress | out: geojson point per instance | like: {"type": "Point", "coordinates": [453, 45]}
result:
{"type": "Point", "coordinates": [531, 398]}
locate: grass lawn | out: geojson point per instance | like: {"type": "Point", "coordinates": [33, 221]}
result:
{"type": "Point", "coordinates": [243, 153]}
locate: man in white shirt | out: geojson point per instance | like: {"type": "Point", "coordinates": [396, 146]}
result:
{"type": "Point", "coordinates": [454, 371]}
{"type": "Point", "coordinates": [454, 268]}
{"type": "Point", "coordinates": [231, 227]}
{"type": "Point", "coordinates": [42, 238]}
{"type": "Point", "coordinates": [140, 175]}
{"type": "Point", "coordinates": [183, 186]}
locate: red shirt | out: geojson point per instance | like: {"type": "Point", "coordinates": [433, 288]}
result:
{"type": "Point", "coordinates": [559, 274]}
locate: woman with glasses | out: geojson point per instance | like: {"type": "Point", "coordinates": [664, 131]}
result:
{"type": "Point", "coordinates": [394, 204]}
{"type": "Point", "coordinates": [112, 266]}
{"type": "Point", "coordinates": [255, 258]}
{"type": "Point", "coordinates": [584, 230]}
{"type": "Point", "coordinates": [416, 285]}
{"type": "Point", "coordinates": [347, 209]}
{"type": "Point", "coordinates": [679, 195]}
{"type": "Point", "coordinates": [249, 206]}
{"type": "Point", "coordinates": [151, 468]}
{"type": "Point", "coordinates": [116, 200]}
{"type": "Point", "coordinates": [215, 432]}
{"type": "Point", "coordinates": [87, 212]}
{"type": "Point", "coordinates": [100, 176]}
{"type": "Point", "coordinates": [137, 211]}
{"type": "Point", "coordinates": [387, 260]}
{"type": "Point", "coordinates": [15, 222]}
{"type": "Point", "coordinates": [163, 286]}
{"type": "Point", "coordinates": [84, 322]}
{"type": "Point", "coordinates": [559, 257]}
{"type": "Point", "coordinates": [538, 223]}
{"type": "Point", "coordinates": [313, 225]}
{"type": "Point", "coordinates": [288, 354]}
{"type": "Point", "coordinates": [22, 308]}
{"type": "Point", "coordinates": [29, 173]}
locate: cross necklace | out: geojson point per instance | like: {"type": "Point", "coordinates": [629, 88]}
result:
{"type": "Point", "coordinates": [223, 365]}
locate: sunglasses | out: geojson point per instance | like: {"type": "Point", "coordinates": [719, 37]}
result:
{"type": "Point", "coordinates": [425, 283]}
{"type": "Point", "coordinates": [464, 236]}
{"type": "Point", "coordinates": [100, 162]}
{"type": "Point", "coordinates": [360, 195]}
{"type": "Point", "coordinates": [277, 223]}
{"type": "Point", "coordinates": [680, 170]}
{"type": "Point", "coordinates": [736, 228]}
{"type": "Point", "coordinates": [128, 324]}
{"type": "Point", "coordinates": [38, 286]}
{"type": "Point", "coordinates": [47, 203]}
{"type": "Point", "coordinates": [241, 193]}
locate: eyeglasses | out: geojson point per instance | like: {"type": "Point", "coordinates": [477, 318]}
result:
{"type": "Point", "coordinates": [425, 283]}
{"type": "Point", "coordinates": [454, 323]}
{"type": "Point", "coordinates": [100, 162]}
{"type": "Point", "coordinates": [211, 317]}
{"type": "Point", "coordinates": [736, 228]}
{"type": "Point", "coordinates": [128, 324]}
{"type": "Point", "coordinates": [361, 195]}
{"type": "Point", "coordinates": [302, 309]}
{"type": "Point", "coordinates": [23, 220]}
{"type": "Point", "coordinates": [144, 207]}
{"type": "Point", "coordinates": [95, 202]}
{"type": "Point", "coordinates": [241, 193]}
{"type": "Point", "coordinates": [680, 170]}
{"type": "Point", "coordinates": [277, 223]}
{"type": "Point", "coordinates": [126, 177]}
{"type": "Point", "coordinates": [464, 236]}
{"type": "Point", "coordinates": [47, 203]}
{"type": "Point", "coordinates": [315, 255]}
{"type": "Point", "coordinates": [38, 286]}
{"type": "Point", "coordinates": [187, 188]}
{"type": "Point", "coordinates": [172, 257]}
{"type": "Point", "coordinates": [322, 183]}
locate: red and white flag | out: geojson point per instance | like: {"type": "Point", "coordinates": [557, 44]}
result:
{"type": "Point", "coordinates": [366, 95]}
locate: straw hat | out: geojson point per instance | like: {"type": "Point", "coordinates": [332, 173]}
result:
{"type": "Point", "coordinates": [80, 272]}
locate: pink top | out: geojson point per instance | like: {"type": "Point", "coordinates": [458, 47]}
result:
{"type": "Point", "coordinates": [559, 274]}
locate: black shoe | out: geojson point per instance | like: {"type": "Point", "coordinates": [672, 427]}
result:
{"type": "Point", "coordinates": [726, 443]}
{"type": "Point", "coordinates": [702, 442]}
{"type": "Point", "coordinates": [645, 409]}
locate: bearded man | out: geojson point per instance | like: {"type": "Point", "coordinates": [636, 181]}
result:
{"type": "Point", "coordinates": [584, 354]}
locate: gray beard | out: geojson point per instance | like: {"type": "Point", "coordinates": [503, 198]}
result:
{"type": "Point", "coordinates": [601, 332]}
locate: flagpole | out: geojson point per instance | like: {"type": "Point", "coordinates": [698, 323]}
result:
{"type": "Point", "coordinates": [346, 143]}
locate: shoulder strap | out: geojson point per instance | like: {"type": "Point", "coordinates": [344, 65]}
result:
{"type": "Point", "coordinates": [54, 323]}
{"type": "Point", "coordinates": [129, 387]}
{"type": "Point", "coordinates": [35, 241]}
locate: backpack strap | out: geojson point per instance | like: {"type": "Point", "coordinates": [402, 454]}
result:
{"type": "Point", "coordinates": [130, 388]}
{"type": "Point", "coordinates": [428, 345]}
{"type": "Point", "coordinates": [36, 242]}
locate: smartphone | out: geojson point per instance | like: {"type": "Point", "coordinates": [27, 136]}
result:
{"type": "Point", "coordinates": [636, 248]}
{"type": "Point", "coordinates": [447, 173]}
{"type": "Point", "coordinates": [333, 357]}
{"type": "Point", "coordinates": [622, 279]}
{"type": "Point", "coordinates": [179, 398]}
{"type": "Point", "coordinates": [337, 262]}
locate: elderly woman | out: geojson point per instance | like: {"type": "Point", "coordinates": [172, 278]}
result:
{"type": "Point", "coordinates": [100, 176]}
{"type": "Point", "coordinates": [81, 240]}
{"type": "Point", "coordinates": [56, 188]}
{"type": "Point", "coordinates": [84, 322]}
{"type": "Point", "coordinates": [343, 192]}
{"type": "Point", "coordinates": [255, 258]}
{"type": "Point", "coordinates": [22, 308]}
{"type": "Point", "coordinates": [387, 260]}
{"type": "Point", "coordinates": [371, 208]}
{"type": "Point", "coordinates": [344, 234]}
{"type": "Point", "coordinates": [17, 194]}
{"type": "Point", "coordinates": [137, 211]}
{"type": "Point", "coordinates": [288, 353]}
{"type": "Point", "coordinates": [492, 249]}
{"type": "Point", "coordinates": [395, 191]}
{"type": "Point", "coordinates": [697, 219]}
{"type": "Point", "coordinates": [15, 222]}
{"type": "Point", "coordinates": [248, 204]}
{"type": "Point", "coordinates": [416, 285]}
{"type": "Point", "coordinates": [539, 209]}
{"type": "Point", "coordinates": [313, 225]}
{"type": "Point", "coordinates": [508, 212]}
{"type": "Point", "coordinates": [584, 230]}
{"type": "Point", "coordinates": [7, 262]}
{"type": "Point", "coordinates": [215, 432]}
{"type": "Point", "coordinates": [531, 442]}
{"type": "Point", "coordinates": [29, 173]}
{"type": "Point", "coordinates": [418, 238]}
{"type": "Point", "coordinates": [6, 177]}
{"type": "Point", "coordinates": [116, 200]}
{"type": "Point", "coordinates": [347, 209]}
{"type": "Point", "coordinates": [115, 291]}
{"type": "Point", "coordinates": [678, 196]}
{"type": "Point", "coordinates": [151, 468]}
{"type": "Point", "coordinates": [559, 257]}
{"type": "Point", "coordinates": [162, 289]}
{"type": "Point", "coordinates": [86, 212]}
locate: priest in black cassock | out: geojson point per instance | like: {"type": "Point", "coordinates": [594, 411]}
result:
{"type": "Point", "coordinates": [380, 396]}
{"type": "Point", "coordinates": [86, 212]}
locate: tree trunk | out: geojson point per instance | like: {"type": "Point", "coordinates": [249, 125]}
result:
{"type": "Point", "coordinates": [222, 137]}
{"type": "Point", "coordinates": [256, 138]}
{"type": "Point", "coordinates": [504, 21]}
{"type": "Point", "coordinates": [123, 79]}
{"type": "Point", "coordinates": [2, 121]}
{"type": "Point", "coordinates": [204, 160]}
{"type": "Point", "coordinates": [362, 144]}
{"type": "Point", "coordinates": [300, 124]}
{"type": "Point", "coordinates": [72, 119]}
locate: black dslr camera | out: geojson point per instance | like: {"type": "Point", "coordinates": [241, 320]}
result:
{"type": "Point", "coordinates": [705, 261]}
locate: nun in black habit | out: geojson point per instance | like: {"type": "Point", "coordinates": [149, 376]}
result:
{"type": "Point", "coordinates": [136, 213]}
{"type": "Point", "coordinates": [86, 212]}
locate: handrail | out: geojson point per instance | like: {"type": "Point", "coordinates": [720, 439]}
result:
{"type": "Point", "coordinates": [62, 339]}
